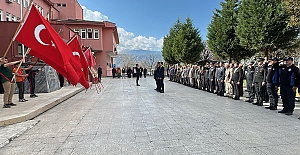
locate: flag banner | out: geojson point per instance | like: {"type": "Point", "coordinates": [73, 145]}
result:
{"type": "Point", "coordinates": [89, 57]}
{"type": "Point", "coordinates": [46, 44]}
{"type": "Point", "coordinates": [79, 62]}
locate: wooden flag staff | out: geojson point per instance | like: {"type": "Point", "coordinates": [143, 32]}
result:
{"type": "Point", "coordinates": [28, 50]}
{"type": "Point", "coordinates": [17, 30]}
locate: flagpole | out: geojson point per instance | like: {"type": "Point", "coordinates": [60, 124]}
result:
{"type": "Point", "coordinates": [19, 26]}
{"type": "Point", "coordinates": [28, 50]}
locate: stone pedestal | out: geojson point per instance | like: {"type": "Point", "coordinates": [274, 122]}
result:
{"type": "Point", "coordinates": [46, 81]}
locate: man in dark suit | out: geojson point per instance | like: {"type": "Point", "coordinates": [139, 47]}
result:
{"type": "Point", "coordinates": [259, 81]}
{"type": "Point", "coordinates": [220, 79]}
{"type": "Point", "coordinates": [160, 77]}
{"type": "Point", "coordinates": [236, 81]}
{"type": "Point", "coordinates": [137, 71]}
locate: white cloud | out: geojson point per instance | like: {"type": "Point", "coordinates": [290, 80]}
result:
{"type": "Point", "coordinates": [128, 41]}
{"type": "Point", "coordinates": [93, 15]}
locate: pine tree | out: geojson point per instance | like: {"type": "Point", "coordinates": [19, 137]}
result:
{"type": "Point", "coordinates": [169, 46]}
{"type": "Point", "coordinates": [262, 26]}
{"type": "Point", "coordinates": [222, 39]}
{"type": "Point", "coordinates": [188, 43]}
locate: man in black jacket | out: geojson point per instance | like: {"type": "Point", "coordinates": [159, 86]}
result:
{"type": "Point", "coordinates": [259, 81]}
{"type": "Point", "coordinates": [220, 79]}
{"type": "Point", "coordinates": [236, 81]}
{"type": "Point", "coordinates": [31, 79]}
{"type": "Point", "coordinates": [160, 77]}
{"type": "Point", "coordinates": [273, 83]}
{"type": "Point", "coordinates": [289, 80]}
{"type": "Point", "coordinates": [137, 71]}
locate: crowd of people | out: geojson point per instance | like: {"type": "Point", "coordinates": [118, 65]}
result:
{"type": "Point", "coordinates": [16, 76]}
{"type": "Point", "coordinates": [128, 72]}
{"type": "Point", "coordinates": [263, 79]}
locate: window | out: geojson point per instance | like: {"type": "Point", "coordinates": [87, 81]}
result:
{"type": "Point", "coordinates": [83, 33]}
{"type": "Point", "coordinates": [20, 49]}
{"type": "Point", "coordinates": [48, 16]}
{"type": "Point", "coordinates": [64, 5]}
{"type": "Point", "coordinates": [1, 15]}
{"type": "Point", "coordinates": [90, 33]}
{"type": "Point", "coordinates": [13, 18]}
{"type": "Point", "coordinates": [58, 4]}
{"type": "Point", "coordinates": [42, 11]}
{"type": "Point", "coordinates": [22, 1]}
{"type": "Point", "coordinates": [96, 34]}
{"type": "Point", "coordinates": [76, 31]}
{"type": "Point", "coordinates": [8, 16]}
{"type": "Point", "coordinates": [26, 3]}
{"type": "Point", "coordinates": [18, 1]}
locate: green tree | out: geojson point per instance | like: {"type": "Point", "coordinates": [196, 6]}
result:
{"type": "Point", "coordinates": [262, 26]}
{"type": "Point", "coordinates": [188, 43]}
{"type": "Point", "coordinates": [222, 38]}
{"type": "Point", "coordinates": [293, 8]}
{"type": "Point", "coordinates": [169, 46]}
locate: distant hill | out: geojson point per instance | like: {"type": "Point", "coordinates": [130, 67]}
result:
{"type": "Point", "coordinates": [143, 52]}
{"type": "Point", "coordinates": [138, 56]}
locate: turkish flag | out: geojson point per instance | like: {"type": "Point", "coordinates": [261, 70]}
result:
{"type": "Point", "coordinates": [45, 43]}
{"type": "Point", "coordinates": [79, 62]}
{"type": "Point", "coordinates": [89, 57]}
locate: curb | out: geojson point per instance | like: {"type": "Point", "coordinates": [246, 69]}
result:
{"type": "Point", "coordinates": [13, 134]}
{"type": "Point", "coordinates": [37, 110]}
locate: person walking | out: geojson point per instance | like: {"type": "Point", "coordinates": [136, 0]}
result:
{"type": "Point", "coordinates": [259, 81]}
{"type": "Point", "coordinates": [20, 78]}
{"type": "Point", "coordinates": [31, 79]}
{"type": "Point", "coordinates": [289, 80]}
{"type": "Point", "coordinates": [8, 83]}
{"type": "Point", "coordinates": [99, 73]}
{"type": "Point", "coordinates": [137, 71]}
{"type": "Point", "coordinates": [161, 76]}
{"type": "Point", "coordinates": [273, 83]}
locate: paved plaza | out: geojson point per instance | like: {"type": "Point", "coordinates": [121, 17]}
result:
{"type": "Point", "coordinates": [126, 119]}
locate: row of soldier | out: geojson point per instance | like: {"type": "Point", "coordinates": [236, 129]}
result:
{"type": "Point", "coordinates": [263, 79]}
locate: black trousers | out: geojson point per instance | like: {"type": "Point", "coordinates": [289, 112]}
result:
{"type": "Point", "coordinates": [114, 75]}
{"type": "Point", "coordinates": [259, 92]}
{"type": "Point", "coordinates": [32, 85]}
{"type": "Point", "coordinates": [221, 88]}
{"type": "Point", "coordinates": [288, 98]}
{"type": "Point", "coordinates": [161, 86]}
{"type": "Point", "coordinates": [99, 77]}
{"type": "Point", "coordinates": [251, 90]}
{"type": "Point", "coordinates": [236, 90]}
{"type": "Point", "coordinates": [273, 94]}
{"type": "Point", "coordinates": [61, 80]}
{"type": "Point", "coordinates": [21, 89]}
{"type": "Point", "coordinates": [211, 85]}
{"type": "Point", "coordinates": [137, 80]}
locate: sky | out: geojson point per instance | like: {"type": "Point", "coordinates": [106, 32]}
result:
{"type": "Point", "coordinates": [142, 24]}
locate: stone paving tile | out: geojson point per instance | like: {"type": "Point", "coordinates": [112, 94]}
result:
{"type": "Point", "coordinates": [125, 119]}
